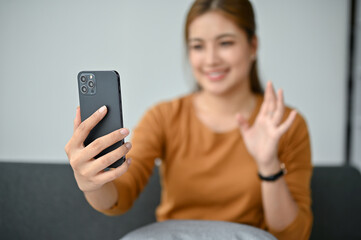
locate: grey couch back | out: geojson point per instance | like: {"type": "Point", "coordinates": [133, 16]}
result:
{"type": "Point", "coordinates": [42, 201]}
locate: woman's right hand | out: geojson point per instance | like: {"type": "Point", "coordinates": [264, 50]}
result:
{"type": "Point", "coordinates": [89, 172]}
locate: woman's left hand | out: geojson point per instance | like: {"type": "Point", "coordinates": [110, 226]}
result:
{"type": "Point", "coordinates": [262, 137]}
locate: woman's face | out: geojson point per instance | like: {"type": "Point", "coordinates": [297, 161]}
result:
{"type": "Point", "coordinates": [220, 53]}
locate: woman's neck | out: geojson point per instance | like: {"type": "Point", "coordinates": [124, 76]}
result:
{"type": "Point", "coordinates": [238, 100]}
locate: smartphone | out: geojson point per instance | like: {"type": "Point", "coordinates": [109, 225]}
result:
{"type": "Point", "coordinates": [98, 88]}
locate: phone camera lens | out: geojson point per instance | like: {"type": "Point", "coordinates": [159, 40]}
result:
{"type": "Point", "coordinates": [83, 79]}
{"type": "Point", "coordinates": [84, 89]}
{"type": "Point", "coordinates": [91, 84]}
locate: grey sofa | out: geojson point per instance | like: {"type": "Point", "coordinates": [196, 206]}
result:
{"type": "Point", "coordinates": [42, 201]}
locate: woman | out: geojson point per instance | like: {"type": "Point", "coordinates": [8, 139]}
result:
{"type": "Point", "coordinates": [224, 148]}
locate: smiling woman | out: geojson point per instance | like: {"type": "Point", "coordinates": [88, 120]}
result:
{"type": "Point", "coordinates": [241, 19]}
{"type": "Point", "coordinates": [212, 53]}
{"type": "Point", "coordinates": [229, 153]}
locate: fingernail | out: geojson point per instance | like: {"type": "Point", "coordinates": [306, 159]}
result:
{"type": "Point", "coordinates": [128, 145]}
{"type": "Point", "coordinates": [124, 131]}
{"type": "Point", "coordinates": [129, 160]}
{"type": "Point", "coordinates": [102, 109]}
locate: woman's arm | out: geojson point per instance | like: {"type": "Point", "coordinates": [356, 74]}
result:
{"type": "Point", "coordinates": [96, 183]}
{"type": "Point", "coordinates": [295, 153]}
{"type": "Point", "coordinates": [286, 201]}
{"type": "Point", "coordinates": [103, 198]}
{"type": "Point", "coordinates": [279, 207]}
{"type": "Point", "coordinates": [147, 144]}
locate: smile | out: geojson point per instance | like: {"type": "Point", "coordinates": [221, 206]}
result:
{"type": "Point", "coordinates": [216, 75]}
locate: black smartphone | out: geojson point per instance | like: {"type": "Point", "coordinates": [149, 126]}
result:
{"type": "Point", "coordinates": [98, 88]}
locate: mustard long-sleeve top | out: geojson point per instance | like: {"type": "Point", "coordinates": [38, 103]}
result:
{"type": "Point", "coordinates": [209, 175]}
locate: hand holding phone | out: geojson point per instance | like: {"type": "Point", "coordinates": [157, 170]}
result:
{"type": "Point", "coordinates": [89, 172]}
{"type": "Point", "coordinates": [98, 139]}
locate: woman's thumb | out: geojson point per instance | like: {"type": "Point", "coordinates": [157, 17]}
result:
{"type": "Point", "coordinates": [242, 122]}
{"type": "Point", "coordinates": [77, 119]}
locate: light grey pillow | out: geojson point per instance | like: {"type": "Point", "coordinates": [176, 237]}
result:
{"type": "Point", "coordinates": [197, 230]}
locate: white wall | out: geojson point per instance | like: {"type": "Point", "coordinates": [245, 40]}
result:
{"type": "Point", "coordinates": [44, 44]}
{"type": "Point", "coordinates": [304, 46]}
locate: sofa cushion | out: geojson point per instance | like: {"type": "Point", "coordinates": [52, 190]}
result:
{"type": "Point", "coordinates": [198, 230]}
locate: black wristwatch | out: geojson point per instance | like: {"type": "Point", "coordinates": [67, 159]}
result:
{"type": "Point", "coordinates": [276, 176]}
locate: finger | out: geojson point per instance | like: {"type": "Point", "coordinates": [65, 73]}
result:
{"type": "Point", "coordinates": [287, 124]}
{"type": "Point", "coordinates": [69, 146]}
{"type": "Point", "coordinates": [77, 119]}
{"type": "Point", "coordinates": [86, 126]}
{"type": "Point", "coordinates": [106, 160]}
{"type": "Point", "coordinates": [114, 173]}
{"type": "Point", "coordinates": [280, 108]}
{"type": "Point", "coordinates": [265, 107]}
{"type": "Point", "coordinates": [99, 144]}
{"type": "Point", "coordinates": [271, 107]}
{"type": "Point", "coordinates": [242, 122]}
{"type": "Point", "coordinates": [263, 110]}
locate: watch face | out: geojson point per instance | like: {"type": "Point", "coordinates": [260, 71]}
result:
{"type": "Point", "coordinates": [283, 167]}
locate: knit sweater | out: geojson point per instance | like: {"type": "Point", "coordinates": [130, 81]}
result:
{"type": "Point", "coordinates": [210, 175]}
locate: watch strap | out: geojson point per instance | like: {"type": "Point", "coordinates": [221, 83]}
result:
{"type": "Point", "coordinates": [274, 177]}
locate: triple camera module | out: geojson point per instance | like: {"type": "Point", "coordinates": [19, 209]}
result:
{"type": "Point", "coordinates": [87, 84]}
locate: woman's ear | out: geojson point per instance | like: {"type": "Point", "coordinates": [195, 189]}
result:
{"type": "Point", "coordinates": [254, 45]}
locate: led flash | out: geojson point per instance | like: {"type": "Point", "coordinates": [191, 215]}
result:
{"type": "Point", "coordinates": [91, 76]}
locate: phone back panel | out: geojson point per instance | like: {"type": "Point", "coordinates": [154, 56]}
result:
{"type": "Point", "coordinates": [107, 92]}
